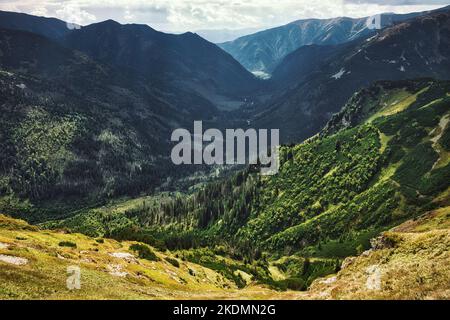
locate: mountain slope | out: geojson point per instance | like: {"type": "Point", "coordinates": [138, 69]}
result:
{"type": "Point", "coordinates": [417, 48]}
{"type": "Point", "coordinates": [34, 266]}
{"type": "Point", "coordinates": [78, 124]}
{"type": "Point", "coordinates": [264, 50]}
{"type": "Point", "coordinates": [408, 262]}
{"type": "Point", "coordinates": [411, 262]}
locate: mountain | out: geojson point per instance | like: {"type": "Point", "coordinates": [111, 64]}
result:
{"type": "Point", "coordinates": [317, 81]}
{"type": "Point", "coordinates": [264, 50]}
{"type": "Point", "coordinates": [85, 123]}
{"type": "Point", "coordinates": [48, 27]}
{"type": "Point", "coordinates": [185, 61]}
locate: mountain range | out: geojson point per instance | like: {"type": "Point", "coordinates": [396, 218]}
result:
{"type": "Point", "coordinates": [316, 81]}
{"type": "Point", "coordinates": [263, 51]}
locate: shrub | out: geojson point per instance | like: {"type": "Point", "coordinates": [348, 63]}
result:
{"type": "Point", "coordinates": [144, 252]}
{"type": "Point", "coordinates": [295, 284]}
{"type": "Point", "coordinates": [67, 244]}
{"type": "Point", "coordinates": [173, 262]}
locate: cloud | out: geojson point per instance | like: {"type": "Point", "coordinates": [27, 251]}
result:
{"type": "Point", "coordinates": [71, 12]}
{"type": "Point", "coordinates": [191, 15]}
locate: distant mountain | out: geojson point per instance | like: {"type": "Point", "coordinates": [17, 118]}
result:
{"type": "Point", "coordinates": [48, 27]}
{"type": "Point", "coordinates": [317, 81]}
{"type": "Point", "coordinates": [263, 51]}
{"type": "Point", "coordinates": [222, 35]}
{"type": "Point", "coordinates": [185, 61]}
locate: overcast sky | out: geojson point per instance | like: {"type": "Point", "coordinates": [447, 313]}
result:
{"type": "Point", "coordinates": [192, 15]}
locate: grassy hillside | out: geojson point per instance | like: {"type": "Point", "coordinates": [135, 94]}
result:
{"type": "Point", "coordinates": [411, 262]}
{"type": "Point", "coordinates": [34, 266]}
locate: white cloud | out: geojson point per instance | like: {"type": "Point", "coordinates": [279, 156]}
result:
{"type": "Point", "coordinates": [71, 12]}
{"type": "Point", "coordinates": [39, 11]}
{"type": "Point", "coordinates": [184, 15]}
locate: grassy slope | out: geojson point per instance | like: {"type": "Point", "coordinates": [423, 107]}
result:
{"type": "Point", "coordinates": [414, 265]}
{"type": "Point", "coordinates": [376, 188]}
{"type": "Point", "coordinates": [44, 276]}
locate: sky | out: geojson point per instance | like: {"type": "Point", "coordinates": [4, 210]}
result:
{"type": "Point", "coordinates": [192, 15]}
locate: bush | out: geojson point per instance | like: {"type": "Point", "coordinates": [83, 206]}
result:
{"type": "Point", "coordinates": [67, 244]}
{"type": "Point", "coordinates": [295, 284]}
{"type": "Point", "coordinates": [173, 262]}
{"type": "Point", "coordinates": [144, 252]}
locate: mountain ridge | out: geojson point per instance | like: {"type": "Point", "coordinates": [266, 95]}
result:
{"type": "Point", "coordinates": [264, 50]}
{"type": "Point", "coordinates": [404, 51]}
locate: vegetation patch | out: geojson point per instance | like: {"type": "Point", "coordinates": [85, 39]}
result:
{"type": "Point", "coordinates": [144, 252]}
{"type": "Point", "coordinates": [67, 244]}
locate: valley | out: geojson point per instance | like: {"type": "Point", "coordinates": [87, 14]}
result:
{"type": "Point", "coordinates": [305, 229]}
{"type": "Point", "coordinates": [359, 208]}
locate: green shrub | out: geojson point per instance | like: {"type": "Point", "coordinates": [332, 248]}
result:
{"type": "Point", "coordinates": [173, 262]}
{"type": "Point", "coordinates": [67, 244]}
{"type": "Point", "coordinates": [295, 284]}
{"type": "Point", "coordinates": [144, 252]}
{"type": "Point", "coordinates": [445, 139]}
